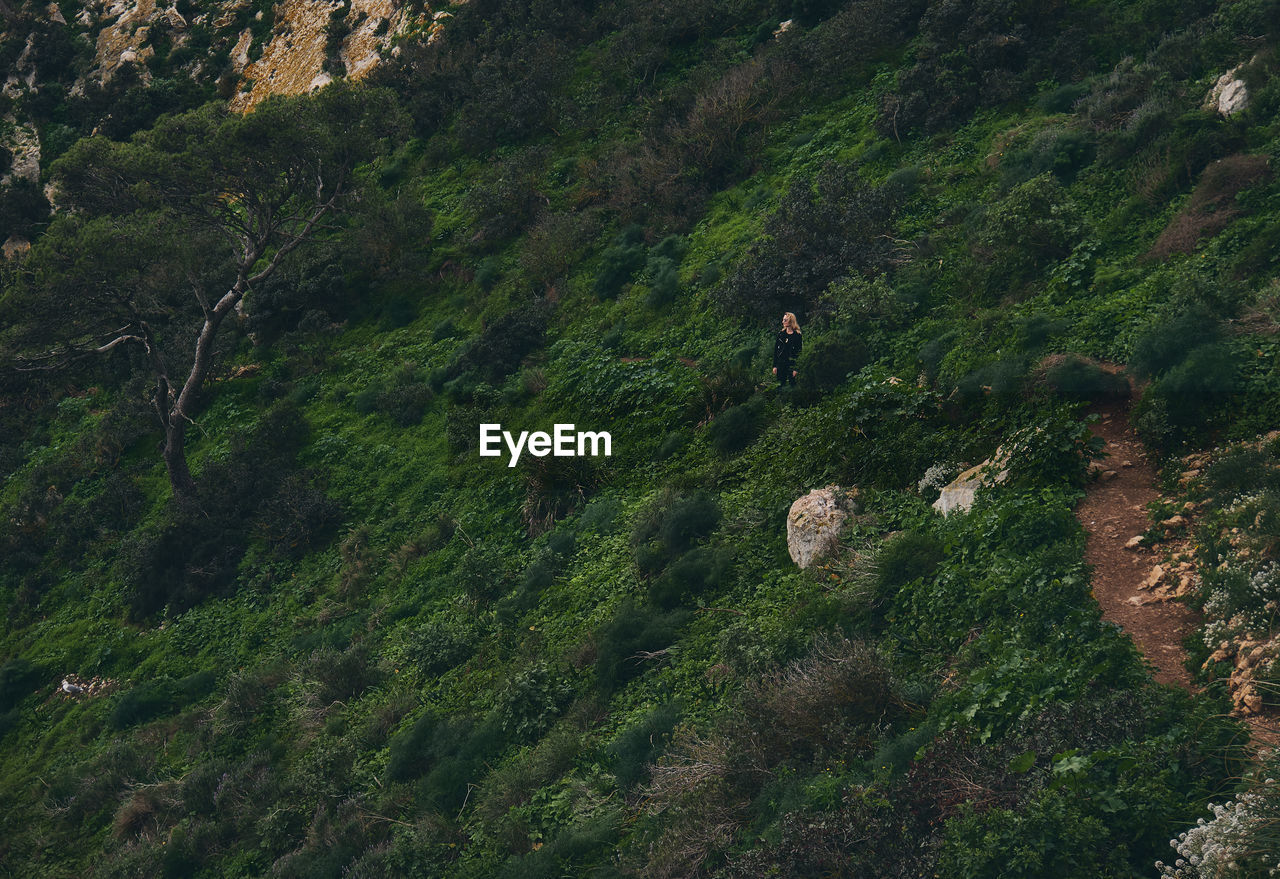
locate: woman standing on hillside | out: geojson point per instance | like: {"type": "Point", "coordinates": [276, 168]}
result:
{"type": "Point", "coordinates": [786, 350]}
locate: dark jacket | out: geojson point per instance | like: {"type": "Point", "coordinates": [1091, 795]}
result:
{"type": "Point", "coordinates": [786, 351]}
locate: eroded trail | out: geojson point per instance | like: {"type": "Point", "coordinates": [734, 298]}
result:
{"type": "Point", "coordinates": [1113, 512]}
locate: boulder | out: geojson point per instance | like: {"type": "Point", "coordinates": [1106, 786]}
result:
{"type": "Point", "coordinates": [814, 524]}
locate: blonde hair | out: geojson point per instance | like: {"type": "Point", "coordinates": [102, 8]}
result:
{"type": "Point", "coordinates": [789, 319]}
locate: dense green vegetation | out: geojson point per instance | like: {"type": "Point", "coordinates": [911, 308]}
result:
{"type": "Point", "coordinates": [354, 647]}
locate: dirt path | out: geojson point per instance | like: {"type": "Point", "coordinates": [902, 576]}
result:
{"type": "Point", "coordinates": [1113, 511]}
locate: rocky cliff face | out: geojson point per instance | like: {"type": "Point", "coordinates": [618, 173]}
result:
{"type": "Point", "coordinates": [259, 48]}
{"type": "Point", "coordinates": [76, 67]}
{"type": "Point", "coordinates": [312, 42]}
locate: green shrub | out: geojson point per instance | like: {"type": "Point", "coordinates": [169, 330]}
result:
{"type": "Point", "coordinates": [442, 642]}
{"type": "Point", "coordinates": [600, 515]}
{"type": "Point", "coordinates": [823, 703]}
{"type": "Point", "coordinates": [160, 697]}
{"type": "Point", "coordinates": [18, 678]}
{"type": "Point", "coordinates": [641, 744]}
{"type": "Point", "coordinates": [1034, 226]}
{"type": "Point", "coordinates": [822, 231]}
{"type": "Point", "coordinates": [1239, 470]}
{"type": "Point", "coordinates": [1187, 399]}
{"type": "Point", "coordinates": [1060, 153]}
{"type": "Point", "coordinates": [625, 645]}
{"type": "Point", "coordinates": [498, 349]}
{"type": "Point", "coordinates": [1078, 378]}
{"type": "Point", "coordinates": [620, 262]}
{"type": "Point", "coordinates": [463, 747]}
{"type": "Point", "coordinates": [563, 543]}
{"type": "Point", "coordinates": [904, 557]}
{"type": "Point", "coordinates": [337, 676]}
{"type": "Point", "coordinates": [932, 352]}
{"type": "Point", "coordinates": [828, 360]}
{"type": "Point", "coordinates": [698, 571]}
{"type": "Point", "coordinates": [671, 445]}
{"type": "Point", "coordinates": [736, 428]}
{"type": "Point", "coordinates": [530, 700]}
{"type": "Point", "coordinates": [688, 520]}
{"type": "Point", "coordinates": [412, 752]}
{"type": "Point", "coordinates": [1001, 379]}
{"type": "Point", "coordinates": [1165, 344]}
{"type": "Point", "coordinates": [664, 282]}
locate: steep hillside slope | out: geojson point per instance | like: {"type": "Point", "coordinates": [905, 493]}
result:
{"type": "Point", "coordinates": [353, 645]}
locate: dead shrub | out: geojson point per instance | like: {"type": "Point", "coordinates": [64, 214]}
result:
{"type": "Point", "coordinates": [554, 488]}
{"type": "Point", "coordinates": [828, 701]}
{"type": "Point", "coordinates": [249, 695]}
{"type": "Point", "coordinates": [831, 701]}
{"type": "Point", "coordinates": [694, 788]}
{"type": "Point", "coordinates": [1212, 206]}
{"type": "Point", "coordinates": [144, 811]}
{"type": "Point", "coordinates": [357, 562]}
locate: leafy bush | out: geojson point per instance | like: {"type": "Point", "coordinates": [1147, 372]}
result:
{"type": "Point", "coordinates": [1062, 153]}
{"type": "Point", "coordinates": [248, 699]}
{"type": "Point", "coordinates": [823, 230]}
{"type": "Point", "coordinates": [337, 676]}
{"type": "Point", "coordinates": [298, 517]}
{"type": "Point", "coordinates": [1056, 450]}
{"type": "Point", "coordinates": [195, 553]}
{"type": "Point", "coordinates": [688, 520]}
{"type": "Point", "coordinates": [671, 445]}
{"type": "Point", "coordinates": [530, 700]}
{"type": "Point", "coordinates": [1185, 400]}
{"type": "Point", "coordinates": [1034, 226]}
{"type": "Point", "coordinates": [442, 642]}
{"type": "Point", "coordinates": [412, 751]}
{"type": "Point", "coordinates": [1164, 344]}
{"type": "Point", "coordinates": [1009, 48]}
{"type": "Point", "coordinates": [497, 351]}
{"type": "Point", "coordinates": [555, 487]}
{"type": "Point", "coordinates": [600, 515]}
{"type": "Point", "coordinates": [818, 704]}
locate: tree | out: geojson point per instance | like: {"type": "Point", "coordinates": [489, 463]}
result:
{"type": "Point", "coordinates": [162, 236]}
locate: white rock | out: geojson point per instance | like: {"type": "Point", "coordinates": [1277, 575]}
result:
{"type": "Point", "coordinates": [1229, 94]}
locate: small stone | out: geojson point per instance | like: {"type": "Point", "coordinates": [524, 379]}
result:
{"type": "Point", "coordinates": [1153, 578]}
{"type": "Point", "coordinates": [1126, 463]}
{"type": "Point", "coordinates": [1108, 475]}
{"type": "Point", "coordinates": [1133, 542]}
{"type": "Point", "coordinates": [1174, 522]}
